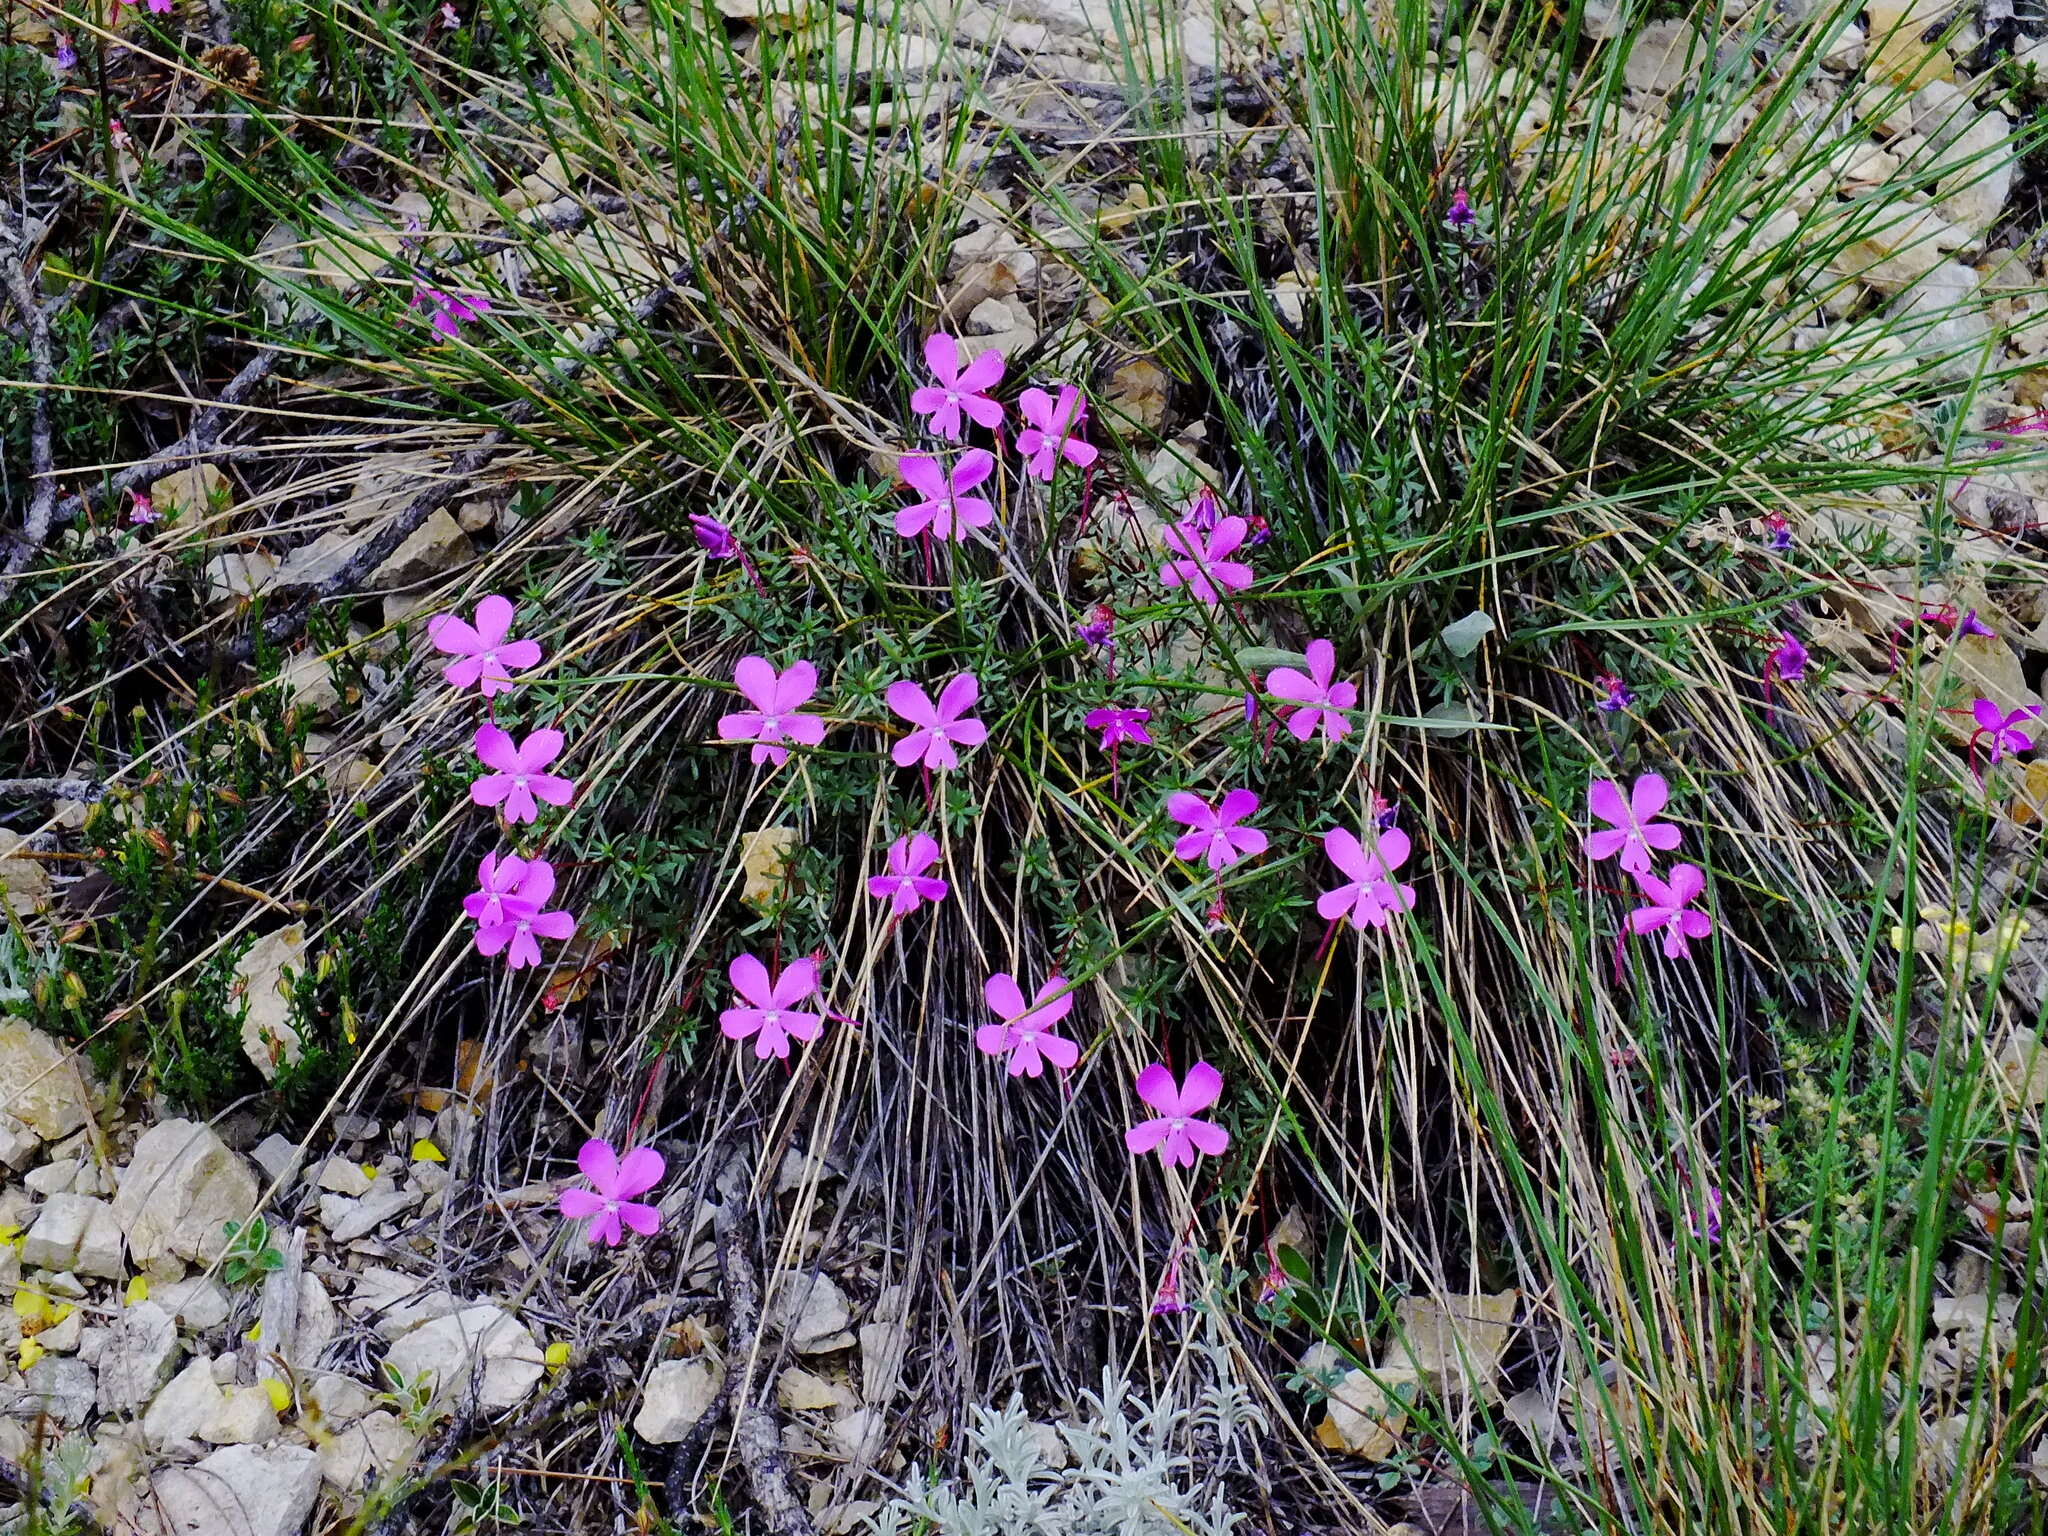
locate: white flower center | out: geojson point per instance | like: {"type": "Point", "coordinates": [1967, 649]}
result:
{"type": "Point", "coordinates": [772, 1019]}
{"type": "Point", "coordinates": [1178, 1123]}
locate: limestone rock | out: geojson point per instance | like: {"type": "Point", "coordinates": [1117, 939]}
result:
{"type": "Point", "coordinates": [192, 492]}
{"type": "Point", "coordinates": [1455, 1343]}
{"type": "Point", "coordinates": [679, 1393]}
{"type": "Point", "coordinates": [385, 1202]}
{"type": "Point", "coordinates": [198, 1303]}
{"type": "Point", "coordinates": [810, 1310]}
{"type": "Point", "coordinates": [245, 1416]}
{"type": "Point", "coordinates": [241, 1491]}
{"type": "Point", "coordinates": [239, 575]}
{"type": "Point", "coordinates": [345, 1177]}
{"type": "Point", "coordinates": [179, 1192]}
{"type": "Point", "coordinates": [185, 1406]}
{"type": "Point", "coordinates": [1666, 55]}
{"type": "Point", "coordinates": [41, 1084]}
{"type": "Point", "coordinates": [798, 1391]}
{"type": "Point", "coordinates": [367, 1451]}
{"type": "Point", "coordinates": [882, 1348]}
{"type": "Point", "coordinates": [1896, 52]}
{"type": "Point", "coordinates": [24, 883]}
{"type": "Point", "coordinates": [136, 1358]}
{"type": "Point", "coordinates": [482, 1350]}
{"type": "Point", "coordinates": [55, 1385]}
{"type": "Point", "coordinates": [437, 545]}
{"type": "Point", "coordinates": [264, 978]}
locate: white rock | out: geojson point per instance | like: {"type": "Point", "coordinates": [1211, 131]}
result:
{"type": "Point", "coordinates": [336, 1398]}
{"type": "Point", "coordinates": [185, 1406]}
{"type": "Point", "coordinates": [385, 1202]}
{"type": "Point", "coordinates": [241, 1491]}
{"type": "Point", "coordinates": [55, 1385]}
{"type": "Point", "coordinates": [264, 979]}
{"type": "Point", "coordinates": [65, 1337]}
{"type": "Point", "coordinates": [52, 1178]}
{"type": "Point", "coordinates": [372, 1449]}
{"type": "Point", "coordinates": [17, 1142]}
{"type": "Point", "coordinates": [482, 1351]}
{"type": "Point", "coordinates": [246, 1416]}
{"type": "Point", "coordinates": [1666, 55]}
{"type": "Point", "coordinates": [41, 1084]}
{"type": "Point", "coordinates": [799, 1391]}
{"type": "Point", "coordinates": [679, 1393]}
{"type": "Point", "coordinates": [407, 1313]}
{"type": "Point", "coordinates": [345, 1177]}
{"type": "Point", "coordinates": [277, 1156]}
{"type": "Point", "coordinates": [239, 575]}
{"type": "Point", "coordinates": [52, 1241]}
{"type": "Point", "coordinates": [882, 1347]}
{"type": "Point", "coordinates": [862, 1433]}
{"type": "Point", "coordinates": [810, 1310]}
{"type": "Point", "coordinates": [1905, 243]}
{"type": "Point", "coordinates": [1974, 194]}
{"type": "Point", "coordinates": [1943, 321]}
{"type": "Point", "coordinates": [179, 1192]}
{"type": "Point", "coordinates": [136, 1357]}
{"type": "Point", "coordinates": [198, 1303]}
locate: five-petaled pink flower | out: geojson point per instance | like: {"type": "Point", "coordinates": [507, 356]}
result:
{"type": "Point", "coordinates": [774, 718]}
{"type": "Point", "coordinates": [519, 782]}
{"type": "Point", "coordinates": [497, 879]}
{"type": "Point", "coordinates": [771, 1013]}
{"type": "Point", "coordinates": [1176, 1132]}
{"type": "Point", "coordinates": [1318, 699]}
{"type": "Point", "coordinates": [945, 510]}
{"type": "Point", "coordinates": [939, 730]}
{"type": "Point", "coordinates": [487, 658]}
{"type": "Point", "coordinates": [614, 1180]}
{"type": "Point", "coordinates": [1670, 908]}
{"type": "Point", "coordinates": [2003, 728]}
{"type": "Point", "coordinates": [1026, 1028]}
{"type": "Point", "coordinates": [1054, 431]}
{"type": "Point", "coordinates": [1119, 725]}
{"type": "Point", "coordinates": [1216, 838]}
{"type": "Point", "coordinates": [1630, 830]}
{"type": "Point", "coordinates": [906, 884]}
{"type": "Point", "coordinates": [450, 310]}
{"type": "Point", "coordinates": [523, 919]}
{"type": "Point", "coordinates": [1371, 896]}
{"type": "Point", "coordinates": [959, 389]}
{"type": "Point", "coordinates": [1202, 567]}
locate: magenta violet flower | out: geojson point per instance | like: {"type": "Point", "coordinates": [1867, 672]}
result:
{"type": "Point", "coordinates": [1119, 725]}
{"type": "Point", "coordinates": [614, 1180]}
{"type": "Point", "coordinates": [1619, 695]}
{"type": "Point", "coordinates": [714, 537]}
{"type": "Point", "coordinates": [518, 781]}
{"type": "Point", "coordinates": [1780, 531]}
{"type": "Point", "coordinates": [1202, 566]}
{"type": "Point", "coordinates": [485, 657]}
{"type": "Point", "coordinates": [938, 730]}
{"type": "Point", "coordinates": [774, 719]}
{"type": "Point", "coordinates": [1461, 215]}
{"type": "Point", "coordinates": [1318, 699]}
{"type": "Point", "coordinates": [1970, 624]}
{"type": "Point", "coordinates": [497, 879]}
{"type": "Point", "coordinates": [156, 7]}
{"type": "Point", "coordinates": [1707, 1225]}
{"type": "Point", "coordinates": [2003, 728]}
{"type": "Point", "coordinates": [1215, 838]}
{"type": "Point", "coordinates": [1788, 661]}
{"type": "Point", "coordinates": [450, 310]}
{"type": "Point", "coordinates": [1053, 431]}
{"type": "Point", "coordinates": [1370, 896]}
{"type": "Point", "coordinates": [1166, 1301]}
{"type": "Point", "coordinates": [1098, 630]}
{"type": "Point", "coordinates": [524, 920]}
{"type": "Point", "coordinates": [1026, 1032]}
{"type": "Point", "coordinates": [67, 54]}
{"type": "Point", "coordinates": [946, 511]}
{"type": "Point", "coordinates": [959, 389]}
{"type": "Point", "coordinates": [141, 510]}
{"type": "Point", "coordinates": [1630, 831]}
{"type": "Point", "coordinates": [1176, 1132]}
{"type": "Point", "coordinates": [769, 1011]}
{"type": "Point", "coordinates": [1670, 908]}
{"type": "Point", "coordinates": [906, 884]}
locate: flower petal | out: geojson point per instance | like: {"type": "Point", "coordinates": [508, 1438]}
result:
{"type": "Point", "coordinates": [910, 702]}
{"type": "Point", "coordinates": [750, 979]}
{"type": "Point", "coordinates": [579, 1204]}
{"type": "Point", "coordinates": [600, 1165]}
{"type": "Point", "coordinates": [639, 1171]}
{"type": "Point", "coordinates": [942, 356]}
{"type": "Point", "coordinates": [494, 749]}
{"type": "Point", "coordinates": [1204, 1084]}
{"type": "Point", "coordinates": [958, 696]}
{"type": "Point", "coordinates": [1002, 993]}
{"type": "Point", "coordinates": [1145, 1135]}
{"type": "Point", "coordinates": [1649, 796]}
{"type": "Point", "coordinates": [493, 620]}
{"type": "Point", "coordinates": [754, 676]}
{"type": "Point", "coordinates": [1603, 799]}
{"type": "Point", "coordinates": [1156, 1087]}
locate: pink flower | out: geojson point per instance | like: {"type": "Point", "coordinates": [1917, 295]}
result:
{"type": "Point", "coordinates": [1670, 909]}
{"type": "Point", "coordinates": [1176, 1132]}
{"type": "Point", "coordinates": [488, 659]}
{"type": "Point", "coordinates": [774, 718]}
{"type": "Point", "coordinates": [1320, 700]}
{"type": "Point", "coordinates": [959, 389]}
{"type": "Point", "coordinates": [1054, 431]}
{"type": "Point", "coordinates": [944, 510]}
{"type": "Point", "coordinates": [141, 510]}
{"type": "Point", "coordinates": [1216, 838]}
{"type": "Point", "coordinates": [1788, 661]}
{"type": "Point", "coordinates": [1202, 568]}
{"type": "Point", "coordinates": [714, 537]}
{"type": "Point", "coordinates": [1026, 1029]}
{"type": "Point", "coordinates": [1630, 833]}
{"type": "Point", "coordinates": [614, 1180]}
{"type": "Point", "coordinates": [1461, 215]}
{"type": "Point", "coordinates": [1708, 1225]}
{"type": "Point", "coordinates": [1119, 725]}
{"type": "Point", "coordinates": [772, 1013]}
{"type": "Point", "coordinates": [496, 880]}
{"type": "Point", "coordinates": [938, 730]}
{"type": "Point", "coordinates": [1372, 896]}
{"type": "Point", "coordinates": [519, 782]}
{"type": "Point", "coordinates": [906, 884]}
{"type": "Point", "coordinates": [522, 920]}
{"type": "Point", "coordinates": [450, 310]}
{"type": "Point", "coordinates": [156, 7]}
{"type": "Point", "coordinates": [1619, 694]}
{"type": "Point", "coordinates": [2001, 727]}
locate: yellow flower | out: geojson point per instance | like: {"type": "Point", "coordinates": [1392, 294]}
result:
{"type": "Point", "coordinates": [424, 1151]}
{"type": "Point", "coordinates": [556, 1354]}
{"type": "Point", "coordinates": [138, 1290]}
{"type": "Point", "coordinates": [280, 1394]}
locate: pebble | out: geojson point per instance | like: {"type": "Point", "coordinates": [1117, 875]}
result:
{"type": "Point", "coordinates": [482, 1351]}
{"type": "Point", "coordinates": [678, 1394]}
{"type": "Point", "coordinates": [245, 1416]}
{"type": "Point", "coordinates": [271, 1491]}
{"type": "Point", "coordinates": [179, 1192]}
{"type": "Point", "coordinates": [135, 1357]}
{"type": "Point", "coordinates": [186, 1405]}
